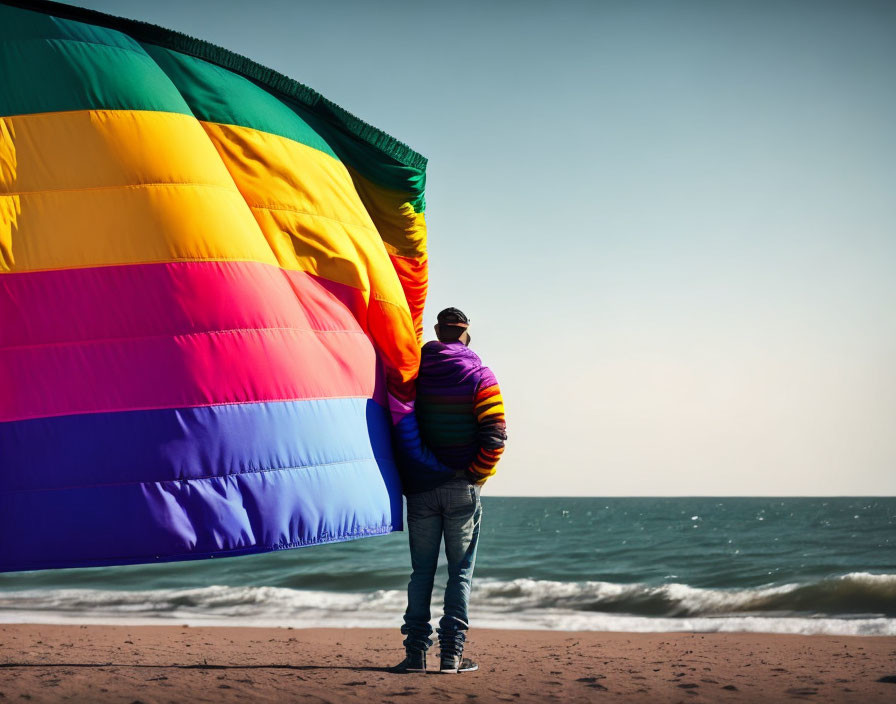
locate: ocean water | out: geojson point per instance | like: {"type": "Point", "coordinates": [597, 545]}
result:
{"type": "Point", "coordinates": [786, 565]}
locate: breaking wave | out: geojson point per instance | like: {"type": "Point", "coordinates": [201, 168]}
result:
{"type": "Point", "coordinates": [855, 603]}
{"type": "Point", "coordinates": [852, 594]}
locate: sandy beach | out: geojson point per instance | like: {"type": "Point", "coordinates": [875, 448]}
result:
{"type": "Point", "coordinates": [77, 663]}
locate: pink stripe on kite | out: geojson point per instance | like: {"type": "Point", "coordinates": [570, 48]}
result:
{"type": "Point", "coordinates": [164, 299]}
{"type": "Point", "coordinates": [238, 366]}
{"type": "Point", "coordinates": [175, 335]}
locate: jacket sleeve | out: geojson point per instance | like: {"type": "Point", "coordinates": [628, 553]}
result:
{"type": "Point", "coordinates": [491, 429]}
{"type": "Point", "coordinates": [411, 452]}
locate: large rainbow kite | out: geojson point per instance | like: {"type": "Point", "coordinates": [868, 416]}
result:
{"type": "Point", "coordinates": [211, 288]}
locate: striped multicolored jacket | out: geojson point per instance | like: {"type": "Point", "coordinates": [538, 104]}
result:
{"type": "Point", "coordinates": [461, 415]}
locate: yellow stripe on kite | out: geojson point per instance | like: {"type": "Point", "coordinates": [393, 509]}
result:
{"type": "Point", "coordinates": [308, 209]}
{"type": "Point", "coordinates": [402, 229]}
{"type": "Point", "coordinates": [130, 225]}
{"type": "Point", "coordinates": [105, 148]}
{"type": "Point", "coordinates": [131, 187]}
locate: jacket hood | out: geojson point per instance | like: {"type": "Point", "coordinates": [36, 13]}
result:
{"type": "Point", "coordinates": [452, 353]}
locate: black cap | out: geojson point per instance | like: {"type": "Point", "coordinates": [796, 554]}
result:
{"type": "Point", "coordinates": [453, 316]}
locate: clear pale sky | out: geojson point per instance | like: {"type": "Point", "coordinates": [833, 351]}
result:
{"type": "Point", "coordinates": [673, 224]}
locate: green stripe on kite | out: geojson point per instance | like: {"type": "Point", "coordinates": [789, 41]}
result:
{"type": "Point", "coordinates": [20, 24]}
{"type": "Point", "coordinates": [215, 94]}
{"type": "Point", "coordinates": [123, 77]}
{"type": "Point", "coordinates": [60, 75]}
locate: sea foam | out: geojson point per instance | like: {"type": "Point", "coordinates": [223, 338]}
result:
{"type": "Point", "coordinates": [851, 604]}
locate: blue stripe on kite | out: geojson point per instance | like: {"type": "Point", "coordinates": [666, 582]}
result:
{"type": "Point", "coordinates": [189, 443]}
{"type": "Point", "coordinates": [195, 518]}
{"type": "Point", "coordinates": [146, 486]}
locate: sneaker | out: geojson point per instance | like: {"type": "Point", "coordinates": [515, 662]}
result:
{"type": "Point", "coordinates": [414, 661]}
{"type": "Point", "coordinates": [451, 664]}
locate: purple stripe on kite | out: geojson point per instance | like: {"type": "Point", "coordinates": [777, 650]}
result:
{"type": "Point", "coordinates": [189, 443]}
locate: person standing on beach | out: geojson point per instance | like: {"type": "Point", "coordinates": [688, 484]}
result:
{"type": "Point", "coordinates": [461, 420]}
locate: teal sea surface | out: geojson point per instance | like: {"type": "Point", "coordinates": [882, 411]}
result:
{"type": "Point", "coordinates": [795, 565]}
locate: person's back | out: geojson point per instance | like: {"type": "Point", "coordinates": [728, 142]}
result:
{"type": "Point", "coordinates": [461, 421]}
{"type": "Point", "coordinates": [459, 408]}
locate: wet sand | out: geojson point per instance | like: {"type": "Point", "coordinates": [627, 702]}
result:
{"type": "Point", "coordinates": [43, 663]}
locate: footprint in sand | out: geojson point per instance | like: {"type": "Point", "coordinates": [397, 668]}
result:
{"type": "Point", "coordinates": [801, 691]}
{"type": "Point", "coordinates": [593, 682]}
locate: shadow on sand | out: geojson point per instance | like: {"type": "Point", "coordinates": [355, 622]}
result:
{"type": "Point", "coordinates": [200, 666]}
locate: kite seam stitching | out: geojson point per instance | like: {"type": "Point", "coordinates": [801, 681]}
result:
{"type": "Point", "coordinates": [260, 470]}
{"type": "Point", "coordinates": [381, 529]}
{"type": "Point", "coordinates": [258, 130]}
{"type": "Point", "coordinates": [275, 265]}
{"type": "Point", "coordinates": [22, 272]}
{"type": "Point", "coordinates": [210, 404]}
{"type": "Point", "coordinates": [172, 336]}
{"type": "Point", "coordinates": [257, 206]}
{"type": "Point", "coordinates": [232, 190]}
{"type": "Point", "coordinates": [72, 40]}
{"type": "Point", "coordinates": [19, 115]}
{"type": "Point", "coordinates": [391, 303]}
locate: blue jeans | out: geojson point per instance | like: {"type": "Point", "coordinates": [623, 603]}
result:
{"type": "Point", "coordinates": [452, 510]}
